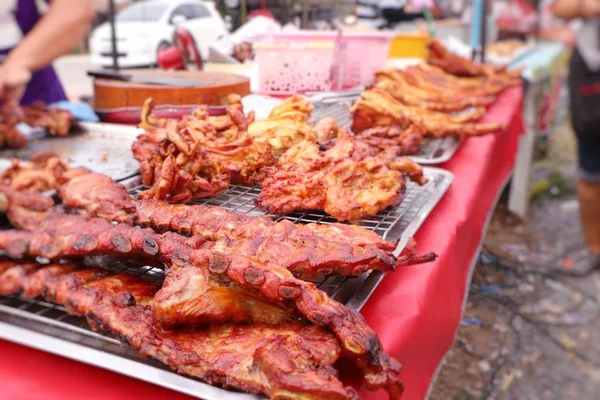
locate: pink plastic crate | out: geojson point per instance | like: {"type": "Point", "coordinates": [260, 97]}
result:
{"type": "Point", "coordinates": [354, 58]}
{"type": "Point", "coordinates": [288, 69]}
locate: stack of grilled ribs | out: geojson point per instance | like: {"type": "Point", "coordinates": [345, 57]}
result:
{"type": "Point", "coordinates": [443, 97]}
{"type": "Point", "coordinates": [235, 308]}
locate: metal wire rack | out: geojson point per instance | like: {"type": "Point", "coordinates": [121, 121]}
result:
{"type": "Point", "coordinates": [48, 327]}
{"type": "Point", "coordinates": [433, 151]}
{"type": "Point", "coordinates": [393, 224]}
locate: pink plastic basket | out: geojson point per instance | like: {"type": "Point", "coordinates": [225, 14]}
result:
{"type": "Point", "coordinates": [288, 69]}
{"type": "Point", "coordinates": [350, 61]}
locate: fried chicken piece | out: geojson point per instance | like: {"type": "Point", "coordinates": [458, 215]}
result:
{"type": "Point", "coordinates": [55, 121]}
{"type": "Point", "coordinates": [346, 181]}
{"type": "Point", "coordinates": [383, 138]}
{"type": "Point", "coordinates": [286, 126]}
{"type": "Point", "coordinates": [199, 155]}
{"type": "Point", "coordinates": [377, 107]}
{"type": "Point", "coordinates": [59, 236]}
{"type": "Point", "coordinates": [291, 359]}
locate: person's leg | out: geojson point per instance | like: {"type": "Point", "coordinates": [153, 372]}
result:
{"type": "Point", "coordinates": [588, 189]}
{"type": "Point", "coordinates": [585, 119]}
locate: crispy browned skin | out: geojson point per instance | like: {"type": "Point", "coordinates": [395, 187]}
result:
{"type": "Point", "coordinates": [291, 360]}
{"type": "Point", "coordinates": [377, 107]}
{"type": "Point", "coordinates": [199, 155]}
{"type": "Point", "coordinates": [405, 87]}
{"type": "Point", "coordinates": [346, 181]}
{"type": "Point", "coordinates": [454, 64]}
{"type": "Point", "coordinates": [309, 251]}
{"type": "Point", "coordinates": [59, 236]}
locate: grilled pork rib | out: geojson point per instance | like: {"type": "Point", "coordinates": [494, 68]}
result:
{"type": "Point", "coordinates": [289, 360]}
{"type": "Point", "coordinates": [309, 251]}
{"type": "Point", "coordinates": [57, 236]}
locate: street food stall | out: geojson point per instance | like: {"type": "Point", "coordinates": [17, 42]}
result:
{"type": "Point", "coordinates": [322, 251]}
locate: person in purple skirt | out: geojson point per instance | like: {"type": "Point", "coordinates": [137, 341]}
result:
{"type": "Point", "coordinates": [32, 34]}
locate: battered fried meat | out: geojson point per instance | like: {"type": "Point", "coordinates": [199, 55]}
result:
{"type": "Point", "coordinates": [58, 236]}
{"type": "Point", "coordinates": [286, 126]}
{"type": "Point", "coordinates": [346, 181]}
{"type": "Point", "coordinates": [290, 359]}
{"type": "Point", "coordinates": [199, 155]}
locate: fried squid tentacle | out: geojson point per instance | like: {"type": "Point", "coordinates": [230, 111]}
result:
{"type": "Point", "coordinates": [290, 360]}
{"type": "Point", "coordinates": [63, 239]}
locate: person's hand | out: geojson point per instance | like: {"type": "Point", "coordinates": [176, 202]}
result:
{"type": "Point", "coordinates": [590, 8]}
{"type": "Point", "coordinates": [13, 81]}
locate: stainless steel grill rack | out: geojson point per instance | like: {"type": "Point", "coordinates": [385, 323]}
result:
{"type": "Point", "coordinates": [393, 224]}
{"type": "Point", "coordinates": [45, 326]}
{"type": "Point", "coordinates": [433, 151]}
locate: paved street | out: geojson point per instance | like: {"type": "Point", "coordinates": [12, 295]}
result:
{"type": "Point", "coordinates": [529, 331]}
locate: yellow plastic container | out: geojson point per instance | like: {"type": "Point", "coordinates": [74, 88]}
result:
{"type": "Point", "coordinates": [409, 45]}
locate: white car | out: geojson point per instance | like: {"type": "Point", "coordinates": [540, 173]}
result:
{"type": "Point", "coordinates": [146, 27]}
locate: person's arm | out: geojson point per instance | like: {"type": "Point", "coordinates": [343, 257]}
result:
{"type": "Point", "coordinates": [57, 33]}
{"type": "Point", "coordinates": [571, 9]}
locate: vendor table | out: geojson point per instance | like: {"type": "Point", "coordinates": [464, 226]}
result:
{"type": "Point", "coordinates": [415, 310]}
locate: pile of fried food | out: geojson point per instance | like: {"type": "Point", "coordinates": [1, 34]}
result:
{"type": "Point", "coordinates": [444, 97]}
{"type": "Point", "coordinates": [201, 155]}
{"type": "Point", "coordinates": [55, 121]}
{"type": "Point", "coordinates": [234, 309]}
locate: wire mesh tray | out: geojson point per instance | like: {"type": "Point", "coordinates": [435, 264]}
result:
{"type": "Point", "coordinates": [103, 148]}
{"type": "Point", "coordinates": [393, 224]}
{"type": "Point", "coordinates": [433, 151]}
{"type": "Point", "coordinates": [45, 326]}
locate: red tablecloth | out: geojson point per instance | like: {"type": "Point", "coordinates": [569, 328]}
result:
{"type": "Point", "coordinates": [415, 310]}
